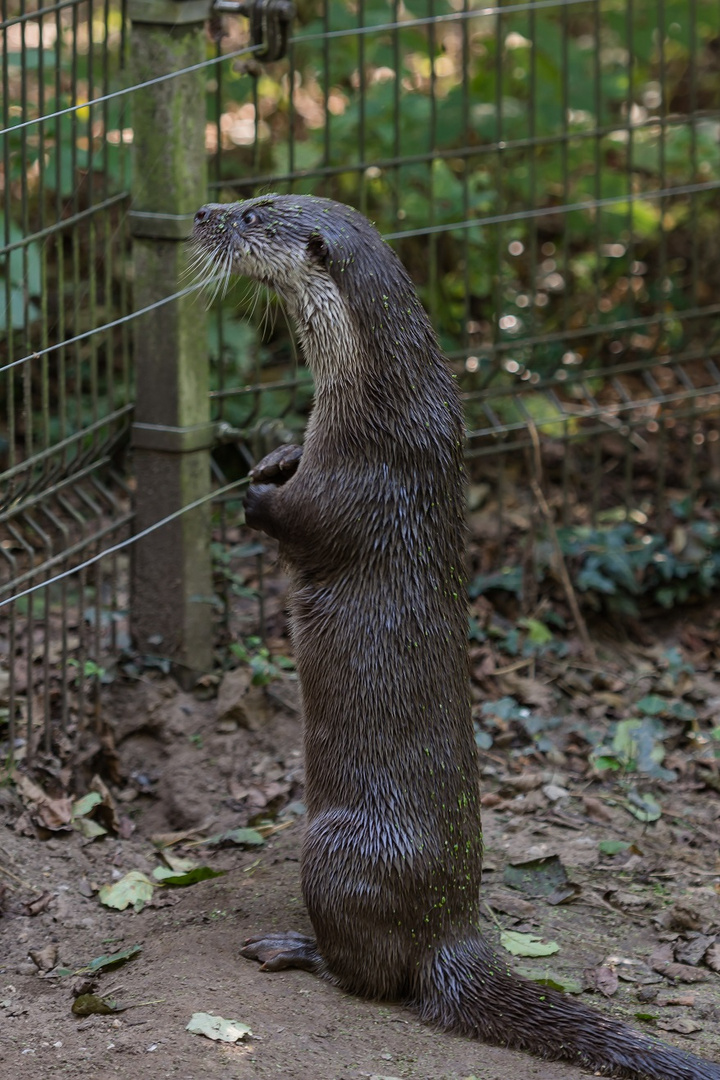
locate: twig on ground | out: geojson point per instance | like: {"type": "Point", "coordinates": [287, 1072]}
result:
{"type": "Point", "coordinates": [570, 595]}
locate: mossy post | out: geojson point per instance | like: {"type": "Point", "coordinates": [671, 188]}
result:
{"type": "Point", "coordinates": [171, 601]}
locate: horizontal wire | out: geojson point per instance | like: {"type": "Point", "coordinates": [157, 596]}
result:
{"type": "Point", "coordinates": [195, 287]}
{"type": "Point", "coordinates": [210, 62]}
{"type": "Point", "coordinates": [127, 542]}
{"type": "Point", "coordinates": [300, 39]}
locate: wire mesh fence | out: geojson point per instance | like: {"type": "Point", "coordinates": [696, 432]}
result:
{"type": "Point", "coordinates": [65, 382]}
{"type": "Point", "coordinates": [549, 173]}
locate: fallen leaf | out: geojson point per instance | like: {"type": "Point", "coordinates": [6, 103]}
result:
{"type": "Point", "coordinates": [109, 961]}
{"type": "Point", "coordinates": [564, 894]}
{"type": "Point", "coordinates": [643, 807]}
{"type": "Point", "coordinates": [40, 903]}
{"type": "Point", "coordinates": [662, 962]}
{"type": "Point", "coordinates": [612, 847]}
{"type": "Point", "coordinates": [237, 837]}
{"type": "Point", "coordinates": [536, 877]}
{"type": "Point", "coordinates": [692, 951]}
{"type": "Point", "coordinates": [92, 1005]}
{"type": "Point", "coordinates": [683, 1024]}
{"type": "Point", "coordinates": [134, 888]}
{"type": "Point", "coordinates": [86, 804]}
{"type": "Point", "coordinates": [595, 808]}
{"type": "Point", "coordinates": [165, 876]}
{"type": "Point", "coordinates": [526, 944]}
{"type": "Point", "coordinates": [217, 1028]}
{"type": "Point", "coordinates": [511, 905]}
{"type": "Point", "coordinates": [712, 957]}
{"type": "Point", "coordinates": [44, 959]}
{"type": "Point", "coordinates": [53, 814]}
{"type": "Point", "coordinates": [89, 828]}
{"type": "Point", "coordinates": [602, 978]}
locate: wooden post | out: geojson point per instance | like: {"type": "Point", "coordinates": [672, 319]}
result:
{"type": "Point", "coordinates": [171, 589]}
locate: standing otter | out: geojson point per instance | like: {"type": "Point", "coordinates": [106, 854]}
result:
{"type": "Point", "coordinates": [370, 519]}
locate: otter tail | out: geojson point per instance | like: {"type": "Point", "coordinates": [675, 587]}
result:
{"type": "Point", "coordinates": [467, 988]}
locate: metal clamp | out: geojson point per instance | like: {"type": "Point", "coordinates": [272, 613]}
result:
{"type": "Point", "coordinates": [269, 24]}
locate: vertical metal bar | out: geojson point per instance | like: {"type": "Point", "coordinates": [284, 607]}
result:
{"type": "Point", "coordinates": [326, 82]}
{"type": "Point", "coordinates": [533, 155]}
{"type": "Point", "coordinates": [630, 30]}
{"type": "Point", "coordinates": [291, 111]}
{"type": "Point", "coordinates": [362, 192]}
{"type": "Point", "coordinates": [432, 146]}
{"type": "Point", "coordinates": [693, 177]}
{"type": "Point", "coordinates": [465, 107]}
{"type": "Point", "coordinates": [499, 187]}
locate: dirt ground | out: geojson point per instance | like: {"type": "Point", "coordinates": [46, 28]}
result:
{"type": "Point", "coordinates": [186, 768]}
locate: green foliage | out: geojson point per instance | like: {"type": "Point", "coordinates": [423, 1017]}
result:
{"type": "Point", "coordinates": [548, 108]}
{"type": "Point", "coordinates": [621, 564]}
{"type": "Point", "coordinates": [257, 656]}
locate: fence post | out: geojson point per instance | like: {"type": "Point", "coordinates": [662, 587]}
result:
{"type": "Point", "coordinates": [171, 583]}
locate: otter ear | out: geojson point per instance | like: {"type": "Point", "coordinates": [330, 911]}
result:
{"type": "Point", "coordinates": [317, 248]}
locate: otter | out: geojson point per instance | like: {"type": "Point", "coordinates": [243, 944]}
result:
{"type": "Point", "coordinates": [370, 516]}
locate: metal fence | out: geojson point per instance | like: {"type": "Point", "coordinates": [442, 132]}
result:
{"type": "Point", "coordinates": [547, 170]}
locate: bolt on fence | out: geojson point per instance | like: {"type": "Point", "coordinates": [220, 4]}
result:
{"type": "Point", "coordinates": [547, 170]}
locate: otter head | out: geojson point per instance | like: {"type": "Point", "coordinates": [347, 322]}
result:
{"type": "Point", "coordinates": [339, 279]}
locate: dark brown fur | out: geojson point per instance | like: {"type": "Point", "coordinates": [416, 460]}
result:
{"type": "Point", "coordinates": [371, 524]}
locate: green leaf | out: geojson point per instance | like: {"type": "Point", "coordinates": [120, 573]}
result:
{"type": "Point", "coordinates": [603, 761]}
{"type": "Point", "coordinates": [644, 807]}
{"type": "Point", "coordinates": [89, 828]}
{"type": "Point", "coordinates": [164, 876]}
{"type": "Point", "coordinates": [612, 847]}
{"type": "Point", "coordinates": [110, 960]}
{"type": "Point", "coordinates": [217, 1028]}
{"type": "Point", "coordinates": [527, 944]}
{"type": "Point", "coordinates": [536, 877]}
{"type": "Point", "coordinates": [92, 1005]}
{"type": "Point", "coordinates": [88, 802]}
{"type": "Point", "coordinates": [653, 705]}
{"type": "Point", "coordinates": [135, 888]}
{"type": "Point", "coordinates": [239, 837]}
{"type": "Point", "coordinates": [538, 633]}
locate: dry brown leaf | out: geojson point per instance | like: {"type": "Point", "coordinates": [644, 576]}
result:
{"type": "Point", "coordinates": [53, 814]}
{"type": "Point", "coordinates": [511, 905]}
{"type": "Point", "coordinates": [683, 1024]}
{"type": "Point", "coordinates": [492, 799]}
{"type": "Point", "coordinates": [712, 957]}
{"type": "Point", "coordinates": [692, 951]}
{"type": "Point", "coordinates": [602, 978]}
{"type": "Point", "coordinates": [595, 808]}
{"type": "Point", "coordinates": [527, 690]}
{"type": "Point", "coordinates": [34, 907]}
{"type": "Point", "coordinates": [45, 959]}
{"type": "Point", "coordinates": [105, 812]}
{"type": "Point", "coordinates": [683, 917]}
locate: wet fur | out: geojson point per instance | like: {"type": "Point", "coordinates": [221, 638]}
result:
{"type": "Point", "coordinates": [371, 525]}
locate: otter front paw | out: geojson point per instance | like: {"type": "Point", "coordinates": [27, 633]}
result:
{"type": "Point", "coordinates": [258, 503]}
{"type": "Point", "coordinates": [277, 466]}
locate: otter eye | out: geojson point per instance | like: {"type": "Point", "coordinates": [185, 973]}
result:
{"type": "Point", "coordinates": [249, 217]}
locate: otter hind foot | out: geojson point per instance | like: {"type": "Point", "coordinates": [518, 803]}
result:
{"type": "Point", "coordinates": [278, 951]}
